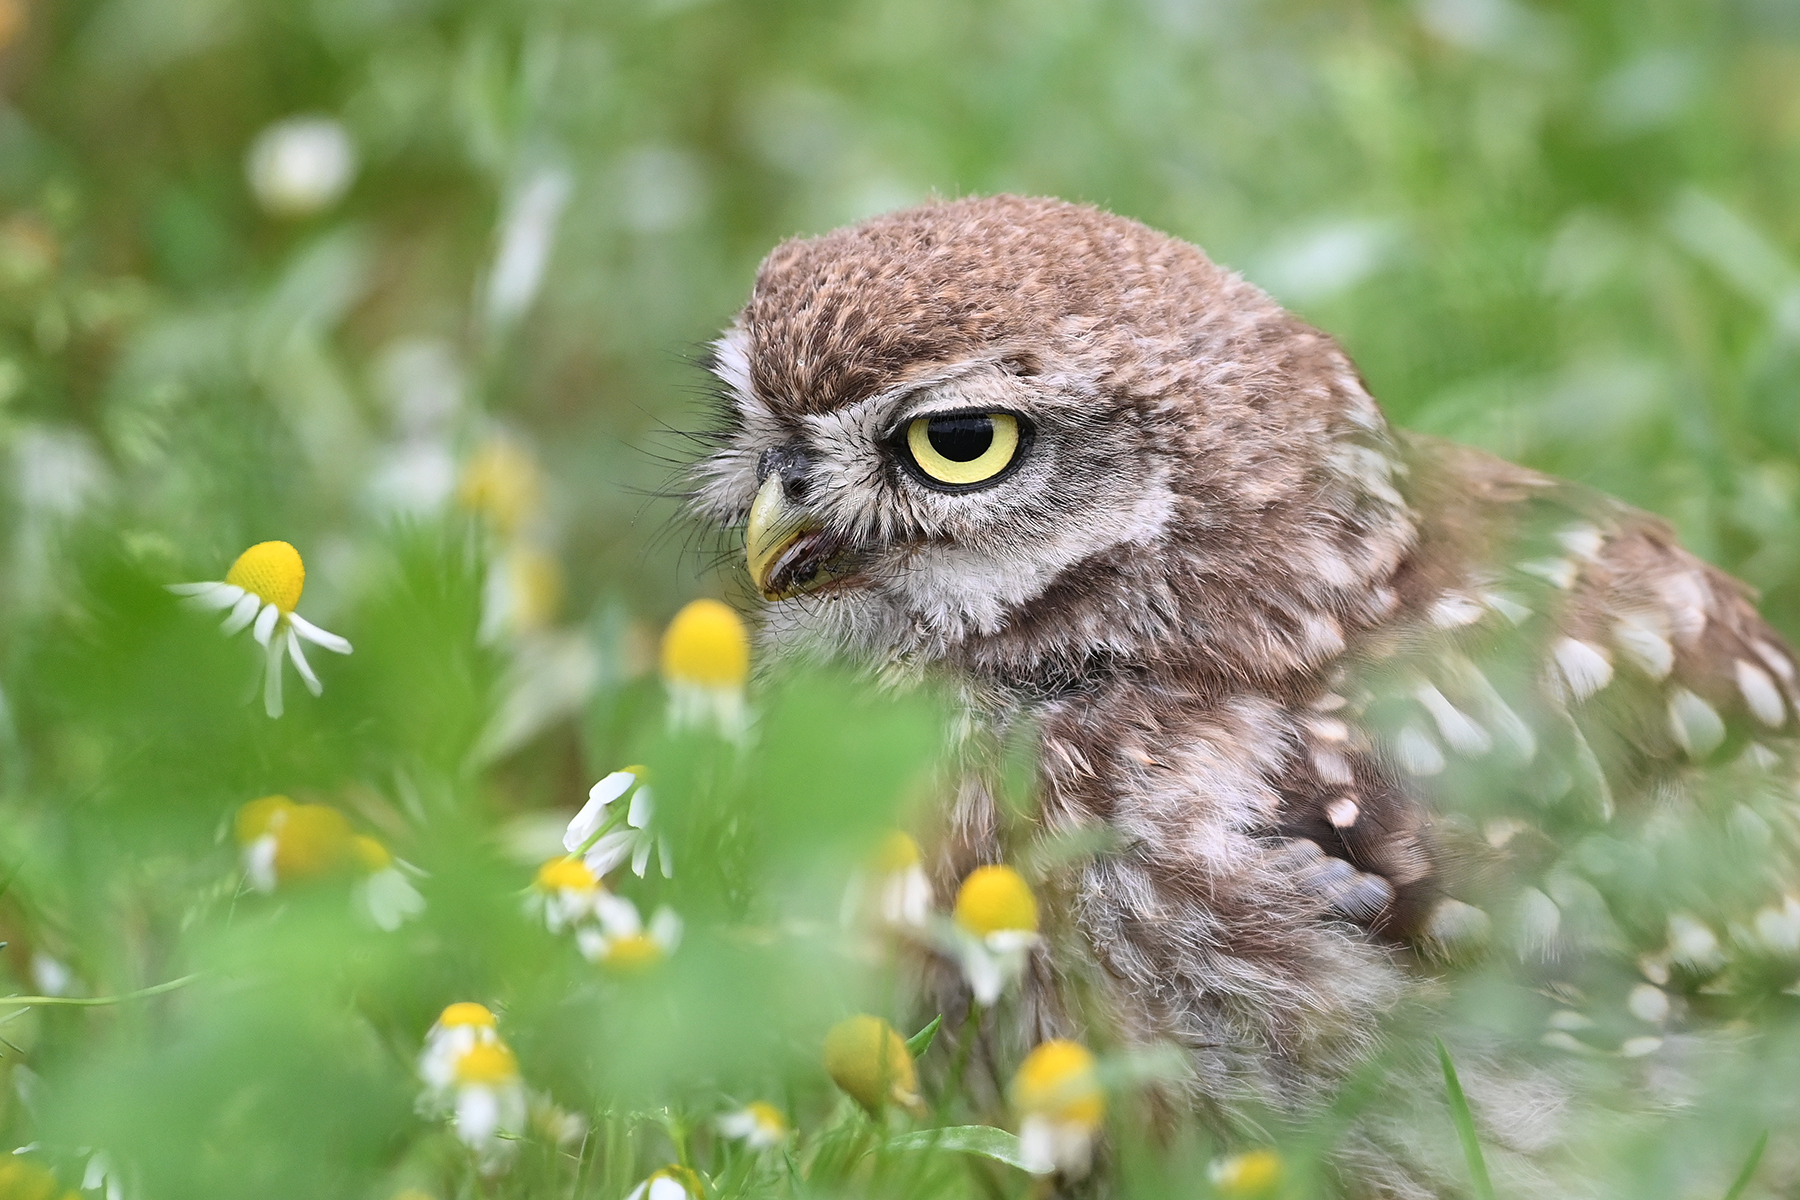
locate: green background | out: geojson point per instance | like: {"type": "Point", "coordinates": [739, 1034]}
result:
{"type": "Point", "coordinates": [1567, 233]}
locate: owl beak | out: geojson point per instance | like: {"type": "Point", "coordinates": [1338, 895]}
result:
{"type": "Point", "coordinates": [787, 548]}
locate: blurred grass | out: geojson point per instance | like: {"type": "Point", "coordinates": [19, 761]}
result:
{"type": "Point", "coordinates": [1569, 233]}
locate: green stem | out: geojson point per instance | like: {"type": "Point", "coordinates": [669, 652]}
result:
{"type": "Point", "coordinates": [98, 1001]}
{"type": "Point", "coordinates": [1465, 1125]}
{"type": "Point", "coordinates": [970, 1029]}
{"type": "Point", "coordinates": [612, 822]}
{"type": "Point", "coordinates": [1749, 1172]}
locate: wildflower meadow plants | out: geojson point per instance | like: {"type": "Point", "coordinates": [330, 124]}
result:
{"type": "Point", "coordinates": [361, 960]}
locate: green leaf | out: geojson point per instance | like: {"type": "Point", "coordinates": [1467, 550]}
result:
{"type": "Point", "coordinates": [920, 1042]}
{"type": "Point", "coordinates": [1465, 1126]}
{"type": "Point", "coordinates": [1745, 1175]}
{"type": "Point", "coordinates": [984, 1140]}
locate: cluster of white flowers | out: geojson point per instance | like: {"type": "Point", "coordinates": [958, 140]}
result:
{"type": "Point", "coordinates": [472, 1077]}
{"type": "Point", "coordinates": [568, 897]}
{"type": "Point", "coordinates": [569, 894]}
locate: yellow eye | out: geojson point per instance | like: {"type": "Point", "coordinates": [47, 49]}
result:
{"type": "Point", "coordinates": [959, 449]}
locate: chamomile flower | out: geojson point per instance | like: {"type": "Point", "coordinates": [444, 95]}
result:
{"type": "Point", "coordinates": [621, 940]}
{"type": "Point", "coordinates": [502, 485]}
{"type": "Point", "coordinates": [868, 1059]}
{"type": "Point", "coordinates": [564, 893]}
{"type": "Point", "coordinates": [556, 1124]}
{"type": "Point", "coordinates": [1060, 1105]}
{"type": "Point", "coordinates": [284, 842]}
{"type": "Point", "coordinates": [458, 1027]}
{"type": "Point", "coordinates": [995, 927]}
{"type": "Point", "coordinates": [301, 166]}
{"type": "Point", "coordinates": [260, 590]}
{"type": "Point", "coordinates": [1252, 1173]}
{"type": "Point", "coordinates": [759, 1125]}
{"type": "Point", "coordinates": [384, 892]}
{"type": "Point", "coordinates": [489, 1097]}
{"type": "Point", "coordinates": [670, 1183]}
{"type": "Point", "coordinates": [521, 594]}
{"type": "Point", "coordinates": [899, 889]}
{"type": "Point", "coordinates": [604, 840]}
{"type": "Point", "coordinates": [705, 663]}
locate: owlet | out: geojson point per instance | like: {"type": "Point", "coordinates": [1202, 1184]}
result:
{"type": "Point", "coordinates": [1351, 713]}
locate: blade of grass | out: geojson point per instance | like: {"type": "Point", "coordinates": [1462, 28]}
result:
{"type": "Point", "coordinates": [1744, 1176]}
{"type": "Point", "coordinates": [1465, 1126]}
{"type": "Point", "coordinates": [97, 1001]}
{"type": "Point", "coordinates": [920, 1042]}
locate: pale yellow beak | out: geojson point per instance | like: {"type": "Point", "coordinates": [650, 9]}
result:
{"type": "Point", "coordinates": [775, 526]}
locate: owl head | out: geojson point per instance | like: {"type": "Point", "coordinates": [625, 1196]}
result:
{"type": "Point", "coordinates": [1031, 440]}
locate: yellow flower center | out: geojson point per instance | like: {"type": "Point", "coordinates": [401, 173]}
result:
{"type": "Point", "coordinates": [868, 1059]}
{"type": "Point", "coordinates": [311, 840]}
{"type": "Point", "coordinates": [634, 952]}
{"type": "Point", "coordinates": [537, 586]}
{"type": "Point", "coordinates": [467, 1012]}
{"type": "Point", "coordinates": [371, 854]}
{"type": "Point", "coordinates": [1252, 1173]}
{"type": "Point", "coordinates": [487, 1062]}
{"type": "Point", "coordinates": [996, 900]}
{"type": "Point", "coordinates": [897, 852]}
{"type": "Point", "coordinates": [1057, 1080]}
{"type": "Point", "coordinates": [687, 1177]}
{"type": "Point", "coordinates": [568, 873]}
{"type": "Point", "coordinates": [272, 571]}
{"type": "Point", "coordinates": [706, 644]}
{"type": "Point", "coordinates": [261, 816]}
{"type": "Point", "coordinates": [500, 483]}
{"type": "Point", "coordinates": [21, 1179]}
{"type": "Point", "coordinates": [768, 1118]}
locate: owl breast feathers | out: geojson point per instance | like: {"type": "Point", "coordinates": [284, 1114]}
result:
{"type": "Point", "coordinates": [1356, 710]}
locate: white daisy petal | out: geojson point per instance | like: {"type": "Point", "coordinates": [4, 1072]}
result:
{"type": "Point", "coordinates": [213, 595]}
{"type": "Point", "coordinates": [606, 854]}
{"type": "Point", "coordinates": [392, 899]}
{"type": "Point", "coordinates": [272, 678]}
{"type": "Point", "coordinates": [983, 974]}
{"type": "Point", "coordinates": [259, 863]}
{"type": "Point", "coordinates": [611, 788]}
{"type": "Point", "coordinates": [643, 807]}
{"type": "Point", "coordinates": [265, 624]}
{"type": "Point", "coordinates": [640, 855]}
{"type": "Point", "coordinates": [243, 611]}
{"type": "Point", "coordinates": [477, 1114]}
{"type": "Point", "coordinates": [300, 664]}
{"type": "Point", "coordinates": [317, 636]}
{"type": "Point", "coordinates": [1037, 1145]}
{"type": "Point", "coordinates": [665, 929]}
{"type": "Point", "coordinates": [618, 916]}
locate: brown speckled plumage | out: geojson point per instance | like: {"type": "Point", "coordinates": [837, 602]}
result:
{"type": "Point", "coordinates": [1348, 702]}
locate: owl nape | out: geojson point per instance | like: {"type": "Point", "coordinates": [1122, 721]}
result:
{"type": "Point", "coordinates": [1388, 740]}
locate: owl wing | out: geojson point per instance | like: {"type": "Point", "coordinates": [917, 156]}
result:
{"type": "Point", "coordinates": [1574, 748]}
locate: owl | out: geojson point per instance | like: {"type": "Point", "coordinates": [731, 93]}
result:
{"type": "Point", "coordinates": [1354, 713]}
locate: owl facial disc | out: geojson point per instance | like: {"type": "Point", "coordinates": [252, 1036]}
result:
{"type": "Point", "coordinates": [788, 551]}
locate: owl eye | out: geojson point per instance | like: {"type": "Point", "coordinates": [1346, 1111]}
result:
{"type": "Point", "coordinates": [959, 450]}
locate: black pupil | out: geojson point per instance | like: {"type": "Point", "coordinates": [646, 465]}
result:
{"type": "Point", "coordinates": [961, 439]}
